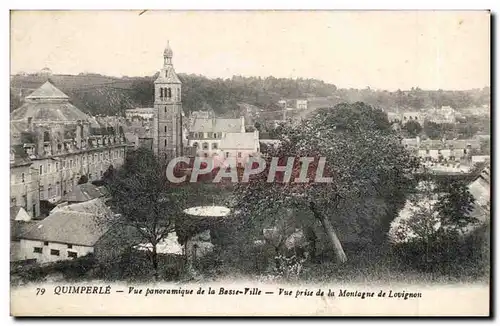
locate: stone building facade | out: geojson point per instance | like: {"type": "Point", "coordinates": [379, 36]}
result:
{"type": "Point", "coordinates": [53, 145]}
{"type": "Point", "coordinates": [167, 125]}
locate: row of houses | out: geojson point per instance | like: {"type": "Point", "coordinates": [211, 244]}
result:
{"type": "Point", "coordinates": [442, 115]}
{"type": "Point", "coordinates": [453, 150]}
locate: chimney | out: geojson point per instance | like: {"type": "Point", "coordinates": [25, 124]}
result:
{"type": "Point", "coordinates": [39, 141]}
{"type": "Point", "coordinates": [79, 132]}
{"type": "Point", "coordinates": [242, 118]}
{"type": "Point", "coordinates": [53, 142]}
{"type": "Point", "coordinates": [85, 130]}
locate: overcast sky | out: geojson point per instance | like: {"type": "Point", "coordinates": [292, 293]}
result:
{"type": "Point", "coordinates": [384, 50]}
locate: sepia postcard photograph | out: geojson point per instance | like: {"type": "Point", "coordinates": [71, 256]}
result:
{"type": "Point", "coordinates": [250, 163]}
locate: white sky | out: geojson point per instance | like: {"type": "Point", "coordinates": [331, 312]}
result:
{"type": "Point", "coordinates": [385, 50]}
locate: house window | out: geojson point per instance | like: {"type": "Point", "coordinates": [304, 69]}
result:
{"type": "Point", "coordinates": [205, 146]}
{"type": "Point", "coordinates": [165, 143]}
{"type": "Point", "coordinates": [165, 109]}
{"type": "Point", "coordinates": [41, 169]}
{"type": "Point", "coordinates": [70, 246]}
{"type": "Point", "coordinates": [13, 201]}
{"type": "Point", "coordinates": [215, 135]}
{"type": "Point", "coordinates": [239, 154]}
{"type": "Point", "coordinates": [427, 151]}
{"type": "Point", "coordinates": [37, 250]}
{"type": "Point", "coordinates": [227, 154]}
{"type": "Point", "coordinates": [205, 154]}
{"type": "Point", "coordinates": [22, 177]}
{"type": "Point", "coordinates": [54, 252]}
{"type": "Point", "coordinates": [165, 128]}
{"type": "Point", "coordinates": [161, 92]}
{"type": "Point", "coordinates": [46, 243]}
{"type": "Point", "coordinates": [195, 145]}
{"type": "Point", "coordinates": [214, 146]}
{"type": "Point", "coordinates": [72, 254]}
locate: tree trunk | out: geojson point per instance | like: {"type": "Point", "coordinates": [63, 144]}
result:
{"type": "Point", "coordinates": [330, 232]}
{"type": "Point", "coordinates": [154, 260]}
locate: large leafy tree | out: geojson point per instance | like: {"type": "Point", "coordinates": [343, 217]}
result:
{"type": "Point", "coordinates": [371, 174]}
{"type": "Point", "coordinates": [435, 218]}
{"type": "Point", "coordinates": [413, 128]}
{"type": "Point", "coordinates": [141, 193]}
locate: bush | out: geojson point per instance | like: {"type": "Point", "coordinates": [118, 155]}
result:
{"type": "Point", "coordinates": [466, 256]}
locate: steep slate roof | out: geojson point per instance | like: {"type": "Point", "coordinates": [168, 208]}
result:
{"type": "Point", "coordinates": [94, 206]}
{"type": "Point", "coordinates": [70, 227]}
{"type": "Point", "coordinates": [48, 104]}
{"type": "Point", "coordinates": [216, 125]}
{"type": "Point", "coordinates": [83, 192]}
{"type": "Point", "coordinates": [19, 228]}
{"type": "Point", "coordinates": [47, 91]}
{"type": "Point", "coordinates": [168, 75]}
{"type": "Point", "coordinates": [239, 140]}
{"type": "Point", "coordinates": [13, 212]}
{"type": "Point", "coordinates": [20, 155]}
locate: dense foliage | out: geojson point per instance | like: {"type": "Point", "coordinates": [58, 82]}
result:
{"type": "Point", "coordinates": [371, 171]}
{"type": "Point", "coordinates": [141, 193]}
{"type": "Point", "coordinates": [105, 95]}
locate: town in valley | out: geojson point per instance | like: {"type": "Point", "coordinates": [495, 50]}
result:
{"type": "Point", "coordinates": [409, 199]}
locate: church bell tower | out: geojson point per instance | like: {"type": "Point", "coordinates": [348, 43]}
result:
{"type": "Point", "coordinates": [167, 131]}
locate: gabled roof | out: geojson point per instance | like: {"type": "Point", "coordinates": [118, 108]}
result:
{"type": "Point", "coordinates": [70, 227]}
{"type": "Point", "coordinates": [13, 212]}
{"type": "Point", "coordinates": [168, 76]}
{"type": "Point", "coordinates": [94, 206]}
{"type": "Point", "coordinates": [239, 140]}
{"type": "Point", "coordinates": [19, 228]}
{"type": "Point", "coordinates": [216, 125]}
{"type": "Point", "coordinates": [83, 192]}
{"type": "Point", "coordinates": [47, 91]}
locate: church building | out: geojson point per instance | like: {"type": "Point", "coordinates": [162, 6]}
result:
{"type": "Point", "coordinates": [167, 125]}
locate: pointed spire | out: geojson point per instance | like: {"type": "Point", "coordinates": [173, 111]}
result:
{"type": "Point", "coordinates": [168, 51]}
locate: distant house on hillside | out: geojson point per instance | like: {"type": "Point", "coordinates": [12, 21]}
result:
{"type": "Point", "coordinates": [144, 113]}
{"type": "Point", "coordinates": [301, 104]}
